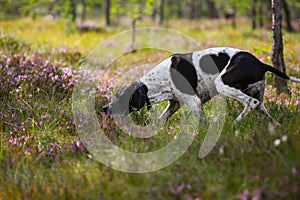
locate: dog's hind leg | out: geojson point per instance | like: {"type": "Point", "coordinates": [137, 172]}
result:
{"type": "Point", "coordinates": [261, 108]}
{"type": "Point", "coordinates": [250, 103]}
{"type": "Point", "coordinates": [263, 111]}
{"type": "Point", "coordinates": [172, 107]}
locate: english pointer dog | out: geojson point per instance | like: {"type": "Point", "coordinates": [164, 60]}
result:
{"type": "Point", "coordinates": [194, 78]}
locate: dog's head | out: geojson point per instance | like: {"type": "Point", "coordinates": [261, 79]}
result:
{"type": "Point", "coordinates": [128, 99]}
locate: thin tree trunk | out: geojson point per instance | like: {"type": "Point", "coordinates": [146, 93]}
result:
{"type": "Point", "coordinates": [287, 13]}
{"type": "Point", "coordinates": [179, 9]}
{"type": "Point", "coordinates": [233, 23]}
{"type": "Point", "coordinates": [197, 9]}
{"type": "Point", "coordinates": [277, 55]}
{"type": "Point", "coordinates": [133, 34]}
{"type": "Point", "coordinates": [254, 3]}
{"type": "Point", "coordinates": [212, 11]}
{"type": "Point", "coordinates": [73, 10]}
{"type": "Point", "coordinates": [107, 12]}
{"type": "Point", "coordinates": [261, 15]}
{"type": "Point", "coordinates": [154, 12]}
{"type": "Point", "coordinates": [161, 11]}
{"type": "Point", "coordinates": [83, 14]}
{"type": "Point", "coordinates": [194, 8]}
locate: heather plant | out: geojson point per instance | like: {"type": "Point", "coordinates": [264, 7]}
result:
{"type": "Point", "coordinates": [29, 74]}
{"type": "Point", "coordinates": [34, 94]}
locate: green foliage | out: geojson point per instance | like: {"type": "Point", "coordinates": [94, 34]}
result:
{"type": "Point", "coordinates": [9, 43]}
{"type": "Point", "coordinates": [133, 8]}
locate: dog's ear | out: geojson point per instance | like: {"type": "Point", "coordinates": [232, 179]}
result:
{"type": "Point", "coordinates": [139, 99]}
{"type": "Point", "coordinates": [175, 61]}
{"type": "Point", "coordinates": [143, 90]}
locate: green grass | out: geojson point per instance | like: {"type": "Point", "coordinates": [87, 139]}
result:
{"type": "Point", "coordinates": [244, 159]}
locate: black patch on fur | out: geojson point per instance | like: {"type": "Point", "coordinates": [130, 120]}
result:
{"type": "Point", "coordinates": [183, 68]}
{"type": "Point", "coordinates": [243, 69]}
{"type": "Point", "coordinates": [128, 99]}
{"type": "Point", "coordinates": [187, 56]}
{"type": "Point", "coordinates": [212, 64]}
{"type": "Point", "coordinates": [139, 98]}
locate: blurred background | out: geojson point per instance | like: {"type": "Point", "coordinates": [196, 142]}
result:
{"type": "Point", "coordinates": [119, 12]}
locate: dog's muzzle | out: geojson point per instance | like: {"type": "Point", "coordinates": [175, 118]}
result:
{"type": "Point", "coordinates": [114, 111]}
{"type": "Point", "coordinates": [107, 109]}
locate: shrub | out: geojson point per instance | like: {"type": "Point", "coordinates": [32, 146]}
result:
{"type": "Point", "coordinates": [34, 93]}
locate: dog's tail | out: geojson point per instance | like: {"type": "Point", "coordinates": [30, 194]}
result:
{"type": "Point", "coordinates": [280, 74]}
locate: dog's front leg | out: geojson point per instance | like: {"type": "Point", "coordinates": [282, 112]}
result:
{"type": "Point", "coordinates": [172, 107]}
{"type": "Point", "coordinates": [195, 104]}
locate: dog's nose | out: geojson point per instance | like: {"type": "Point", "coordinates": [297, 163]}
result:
{"type": "Point", "coordinates": [105, 109]}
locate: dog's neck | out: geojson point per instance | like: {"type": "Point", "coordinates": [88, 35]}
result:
{"type": "Point", "coordinates": [159, 86]}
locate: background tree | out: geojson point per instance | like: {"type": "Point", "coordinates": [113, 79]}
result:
{"type": "Point", "coordinates": [116, 10]}
{"type": "Point", "coordinates": [287, 14]}
{"type": "Point", "coordinates": [212, 10]}
{"type": "Point", "coordinates": [84, 9]}
{"type": "Point", "coordinates": [73, 6]}
{"type": "Point", "coordinates": [107, 12]}
{"type": "Point", "coordinates": [161, 11]}
{"type": "Point", "coordinates": [253, 16]}
{"type": "Point", "coordinates": [277, 55]}
{"type": "Point", "coordinates": [194, 8]}
{"type": "Point", "coordinates": [261, 15]}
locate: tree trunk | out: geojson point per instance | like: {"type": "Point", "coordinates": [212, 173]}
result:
{"type": "Point", "coordinates": [287, 13]}
{"type": "Point", "coordinates": [161, 11]}
{"type": "Point", "coordinates": [277, 55]}
{"type": "Point", "coordinates": [191, 5]}
{"type": "Point", "coordinates": [133, 34]}
{"type": "Point", "coordinates": [83, 14]}
{"type": "Point", "coordinates": [73, 10]}
{"type": "Point", "coordinates": [212, 11]}
{"type": "Point", "coordinates": [254, 3]}
{"type": "Point", "coordinates": [107, 12]}
{"type": "Point", "coordinates": [194, 8]}
{"type": "Point", "coordinates": [179, 9]}
{"type": "Point", "coordinates": [154, 13]}
{"type": "Point", "coordinates": [261, 15]}
{"type": "Point", "coordinates": [197, 8]}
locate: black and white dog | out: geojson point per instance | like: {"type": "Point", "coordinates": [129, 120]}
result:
{"type": "Point", "coordinates": [232, 72]}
